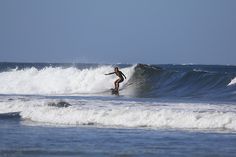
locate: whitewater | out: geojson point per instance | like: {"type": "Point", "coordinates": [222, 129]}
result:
{"type": "Point", "coordinates": [58, 80]}
{"type": "Point", "coordinates": [123, 113]}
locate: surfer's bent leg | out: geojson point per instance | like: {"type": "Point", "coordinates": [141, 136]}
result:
{"type": "Point", "coordinates": [117, 83]}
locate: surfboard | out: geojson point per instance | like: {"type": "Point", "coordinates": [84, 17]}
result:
{"type": "Point", "coordinates": [114, 92]}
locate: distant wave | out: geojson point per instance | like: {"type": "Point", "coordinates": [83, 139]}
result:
{"type": "Point", "coordinates": [232, 82]}
{"type": "Point", "coordinates": [126, 114]}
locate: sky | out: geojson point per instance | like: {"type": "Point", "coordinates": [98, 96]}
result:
{"type": "Point", "coordinates": [118, 31]}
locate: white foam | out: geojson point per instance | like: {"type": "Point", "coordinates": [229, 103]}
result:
{"type": "Point", "coordinates": [59, 80]}
{"type": "Point", "coordinates": [232, 82]}
{"type": "Point", "coordinates": [127, 114]}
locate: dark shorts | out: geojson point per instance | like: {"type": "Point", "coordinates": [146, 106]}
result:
{"type": "Point", "coordinates": [119, 80]}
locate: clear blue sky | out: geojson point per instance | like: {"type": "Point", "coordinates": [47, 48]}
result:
{"type": "Point", "coordinates": [121, 31]}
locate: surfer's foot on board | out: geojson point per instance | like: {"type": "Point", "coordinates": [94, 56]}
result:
{"type": "Point", "coordinates": [116, 90]}
{"type": "Point", "coordinates": [113, 91]}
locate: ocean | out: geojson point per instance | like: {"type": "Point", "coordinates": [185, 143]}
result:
{"type": "Point", "coordinates": [62, 109]}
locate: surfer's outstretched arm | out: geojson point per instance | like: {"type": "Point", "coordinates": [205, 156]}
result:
{"type": "Point", "coordinates": [110, 73]}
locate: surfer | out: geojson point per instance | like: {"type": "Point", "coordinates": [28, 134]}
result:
{"type": "Point", "coordinates": [119, 80]}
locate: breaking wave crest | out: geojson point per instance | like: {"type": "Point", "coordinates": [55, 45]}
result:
{"type": "Point", "coordinates": [58, 80]}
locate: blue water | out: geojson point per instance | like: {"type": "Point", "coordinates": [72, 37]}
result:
{"type": "Point", "coordinates": [162, 110]}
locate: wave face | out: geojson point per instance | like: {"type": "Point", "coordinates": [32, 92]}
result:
{"type": "Point", "coordinates": [150, 81]}
{"type": "Point", "coordinates": [184, 81]}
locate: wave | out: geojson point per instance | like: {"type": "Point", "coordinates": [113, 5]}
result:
{"type": "Point", "coordinates": [184, 82]}
{"type": "Point", "coordinates": [126, 114]}
{"type": "Point", "coordinates": [151, 81]}
{"type": "Point", "coordinates": [58, 80]}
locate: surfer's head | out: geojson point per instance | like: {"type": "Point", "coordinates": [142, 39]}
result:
{"type": "Point", "coordinates": [116, 69]}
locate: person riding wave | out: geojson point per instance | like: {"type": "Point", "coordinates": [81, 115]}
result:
{"type": "Point", "coordinates": [119, 80]}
